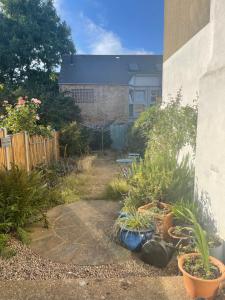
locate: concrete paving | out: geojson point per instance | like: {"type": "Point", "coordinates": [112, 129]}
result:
{"type": "Point", "coordinates": [80, 233]}
{"type": "Point", "coordinates": [160, 288]}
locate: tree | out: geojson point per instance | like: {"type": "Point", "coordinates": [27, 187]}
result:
{"type": "Point", "coordinates": [33, 39]}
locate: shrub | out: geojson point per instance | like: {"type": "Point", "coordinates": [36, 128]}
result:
{"type": "Point", "coordinates": [24, 117]}
{"type": "Point", "coordinates": [22, 197]}
{"type": "Point", "coordinates": [73, 140]}
{"type": "Point", "coordinates": [56, 170]}
{"type": "Point", "coordinates": [160, 176]}
{"type": "Point", "coordinates": [117, 189]}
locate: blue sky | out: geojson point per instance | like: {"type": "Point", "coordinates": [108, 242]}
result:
{"type": "Point", "coordinates": [114, 26]}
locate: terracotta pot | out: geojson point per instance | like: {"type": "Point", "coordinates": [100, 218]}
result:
{"type": "Point", "coordinates": [201, 288]}
{"type": "Point", "coordinates": [177, 239]}
{"type": "Point", "coordinates": [164, 222]}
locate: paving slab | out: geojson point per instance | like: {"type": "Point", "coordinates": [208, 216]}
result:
{"type": "Point", "coordinates": [160, 288]}
{"type": "Point", "coordinates": [80, 233]}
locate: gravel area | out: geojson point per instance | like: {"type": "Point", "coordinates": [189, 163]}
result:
{"type": "Point", "coordinates": [26, 265]}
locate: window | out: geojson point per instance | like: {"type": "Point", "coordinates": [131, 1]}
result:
{"type": "Point", "coordinates": [139, 96]}
{"type": "Point", "coordinates": [154, 95]}
{"type": "Point", "coordinates": [82, 95]}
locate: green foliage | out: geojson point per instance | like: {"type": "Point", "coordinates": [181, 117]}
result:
{"type": "Point", "coordinates": [22, 197]}
{"type": "Point", "coordinates": [59, 110]}
{"type": "Point", "coordinates": [186, 211]}
{"type": "Point", "coordinates": [136, 143]}
{"type": "Point", "coordinates": [53, 172]}
{"type": "Point", "coordinates": [5, 251]}
{"type": "Point", "coordinates": [23, 236]}
{"type": "Point", "coordinates": [146, 122]}
{"type": "Point", "coordinates": [23, 117]}
{"type": "Point", "coordinates": [189, 212]}
{"type": "Point", "coordinates": [135, 221]}
{"type": "Point", "coordinates": [161, 176]}
{"type": "Point", "coordinates": [73, 140]}
{"type": "Point", "coordinates": [117, 189]}
{"type": "Point", "coordinates": [24, 48]}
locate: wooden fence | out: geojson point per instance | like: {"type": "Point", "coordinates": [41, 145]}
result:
{"type": "Point", "coordinates": [27, 151]}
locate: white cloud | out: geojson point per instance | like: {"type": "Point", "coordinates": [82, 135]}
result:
{"type": "Point", "coordinates": [58, 5]}
{"type": "Point", "coordinates": [102, 41]}
{"type": "Point", "coordinates": [93, 38]}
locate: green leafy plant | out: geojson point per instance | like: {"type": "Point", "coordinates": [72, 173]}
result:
{"type": "Point", "coordinates": [200, 239]}
{"type": "Point", "coordinates": [117, 189]}
{"type": "Point", "coordinates": [5, 250]}
{"type": "Point", "coordinates": [186, 211]}
{"type": "Point", "coordinates": [22, 197]}
{"type": "Point", "coordinates": [24, 117]}
{"type": "Point", "coordinates": [74, 140]}
{"type": "Point", "coordinates": [135, 221]}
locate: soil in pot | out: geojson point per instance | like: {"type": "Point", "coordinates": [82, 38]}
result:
{"type": "Point", "coordinates": [193, 265]}
{"type": "Point", "coordinates": [180, 232]}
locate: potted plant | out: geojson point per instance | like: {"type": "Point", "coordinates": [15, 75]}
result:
{"type": "Point", "coordinates": [202, 273]}
{"type": "Point", "coordinates": [180, 234]}
{"type": "Point", "coordinates": [162, 214]}
{"type": "Point", "coordinates": [134, 229]}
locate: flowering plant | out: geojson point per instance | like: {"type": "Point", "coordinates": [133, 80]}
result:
{"type": "Point", "coordinates": [23, 116]}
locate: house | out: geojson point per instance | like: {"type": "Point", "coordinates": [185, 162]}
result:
{"type": "Point", "coordinates": [194, 59]}
{"type": "Point", "coordinates": [112, 88]}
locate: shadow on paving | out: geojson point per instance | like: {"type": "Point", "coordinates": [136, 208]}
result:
{"type": "Point", "coordinates": [80, 233]}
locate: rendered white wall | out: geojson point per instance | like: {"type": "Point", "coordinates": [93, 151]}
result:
{"type": "Point", "coordinates": [185, 67]}
{"type": "Point", "coordinates": [199, 66]}
{"type": "Point", "coordinates": [210, 156]}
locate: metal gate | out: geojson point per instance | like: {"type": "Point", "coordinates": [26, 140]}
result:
{"type": "Point", "coordinates": [118, 134]}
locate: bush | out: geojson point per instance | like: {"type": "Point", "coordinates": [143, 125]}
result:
{"type": "Point", "coordinates": [117, 189]}
{"type": "Point", "coordinates": [73, 140]}
{"type": "Point", "coordinates": [22, 197]}
{"type": "Point", "coordinates": [23, 116]}
{"type": "Point", "coordinates": [56, 170]}
{"type": "Point", "coordinates": [5, 250]}
{"type": "Point", "coordinates": [160, 176]}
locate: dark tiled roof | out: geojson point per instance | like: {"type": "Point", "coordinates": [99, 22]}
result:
{"type": "Point", "coordinates": [107, 69]}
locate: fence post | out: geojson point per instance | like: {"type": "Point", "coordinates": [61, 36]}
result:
{"type": "Point", "coordinates": [56, 145]}
{"type": "Point", "coordinates": [45, 151]}
{"type": "Point", "coordinates": [7, 158]}
{"type": "Point", "coordinates": [27, 154]}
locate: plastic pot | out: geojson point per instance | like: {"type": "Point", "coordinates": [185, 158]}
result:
{"type": "Point", "coordinates": [176, 239]}
{"type": "Point", "coordinates": [201, 288]}
{"type": "Point", "coordinates": [164, 222]}
{"type": "Point", "coordinates": [133, 239]}
{"type": "Point", "coordinates": [157, 253]}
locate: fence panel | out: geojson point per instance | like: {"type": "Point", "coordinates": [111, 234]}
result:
{"type": "Point", "coordinates": [29, 151]}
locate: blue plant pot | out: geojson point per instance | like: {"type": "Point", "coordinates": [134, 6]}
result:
{"type": "Point", "coordinates": [133, 240]}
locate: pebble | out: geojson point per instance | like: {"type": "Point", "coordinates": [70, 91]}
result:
{"type": "Point", "coordinates": [27, 265]}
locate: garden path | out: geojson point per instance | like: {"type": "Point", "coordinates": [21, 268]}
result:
{"type": "Point", "coordinates": [81, 232]}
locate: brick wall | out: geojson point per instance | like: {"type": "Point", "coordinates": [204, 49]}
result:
{"type": "Point", "coordinates": [110, 102]}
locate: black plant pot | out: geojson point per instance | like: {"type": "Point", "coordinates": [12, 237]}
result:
{"type": "Point", "coordinates": [157, 253]}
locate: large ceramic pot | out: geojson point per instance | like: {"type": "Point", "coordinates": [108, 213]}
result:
{"type": "Point", "coordinates": [134, 239]}
{"type": "Point", "coordinates": [164, 222]}
{"type": "Point", "coordinates": [201, 288]}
